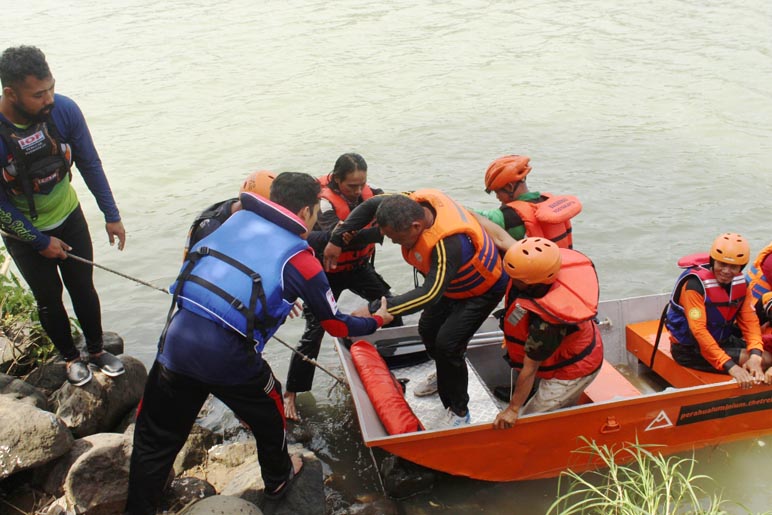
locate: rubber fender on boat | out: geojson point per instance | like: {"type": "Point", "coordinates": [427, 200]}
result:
{"type": "Point", "coordinates": [384, 390]}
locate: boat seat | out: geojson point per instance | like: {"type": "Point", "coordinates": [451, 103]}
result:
{"type": "Point", "coordinates": [640, 342]}
{"type": "Point", "coordinates": [608, 384]}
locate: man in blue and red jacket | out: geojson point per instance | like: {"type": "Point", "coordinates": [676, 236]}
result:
{"type": "Point", "coordinates": [233, 293]}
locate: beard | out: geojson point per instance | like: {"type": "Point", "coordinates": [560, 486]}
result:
{"type": "Point", "coordinates": [39, 116]}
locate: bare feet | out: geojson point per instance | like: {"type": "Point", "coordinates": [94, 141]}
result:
{"type": "Point", "coordinates": [297, 463]}
{"type": "Point", "coordinates": [281, 490]}
{"type": "Point", "coordinates": [290, 411]}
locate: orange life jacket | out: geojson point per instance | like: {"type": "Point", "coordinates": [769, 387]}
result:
{"type": "Point", "coordinates": [351, 257]}
{"type": "Point", "coordinates": [477, 275]}
{"type": "Point", "coordinates": [550, 218]}
{"type": "Point", "coordinates": [758, 283]}
{"type": "Point", "coordinates": [572, 299]}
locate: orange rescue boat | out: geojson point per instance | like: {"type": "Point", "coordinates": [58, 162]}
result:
{"type": "Point", "coordinates": [634, 399]}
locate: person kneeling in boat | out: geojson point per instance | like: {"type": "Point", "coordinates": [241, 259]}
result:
{"type": "Point", "coordinates": [711, 318]}
{"type": "Point", "coordinates": [524, 213]}
{"type": "Point", "coordinates": [549, 327]}
{"type": "Point", "coordinates": [232, 294]}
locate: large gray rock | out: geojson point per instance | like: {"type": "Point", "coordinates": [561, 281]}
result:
{"type": "Point", "coordinates": [111, 342]}
{"type": "Point", "coordinates": [21, 391]}
{"type": "Point", "coordinates": [306, 493]}
{"type": "Point", "coordinates": [53, 475]}
{"type": "Point", "coordinates": [52, 374]}
{"type": "Point", "coordinates": [194, 452]}
{"type": "Point", "coordinates": [126, 426]}
{"type": "Point", "coordinates": [49, 376]}
{"type": "Point", "coordinates": [233, 454]}
{"type": "Point", "coordinates": [101, 404]}
{"type": "Point", "coordinates": [184, 491]}
{"type": "Point", "coordinates": [97, 481]}
{"type": "Point", "coordinates": [222, 505]}
{"type": "Point", "coordinates": [29, 437]}
{"type": "Point", "coordinates": [14, 353]}
{"type": "Point", "coordinates": [246, 482]}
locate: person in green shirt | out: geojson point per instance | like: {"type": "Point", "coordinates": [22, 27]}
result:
{"type": "Point", "coordinates": [528, 213]}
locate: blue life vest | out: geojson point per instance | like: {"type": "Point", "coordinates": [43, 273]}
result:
{"type": "Point", "coordinates": [234, 276]}
{"type": "Point", "coordinates": [721, 308]}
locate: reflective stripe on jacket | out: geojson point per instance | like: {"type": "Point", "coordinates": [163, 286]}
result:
{"type": "Point", "coordinates": [477, 275]}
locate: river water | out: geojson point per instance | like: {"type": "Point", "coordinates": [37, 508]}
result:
{"type": "Point", "coordinates": [656, 114]}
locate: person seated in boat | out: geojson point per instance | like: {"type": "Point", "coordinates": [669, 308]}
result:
{"type": "Point", "coordinates": [232, 295]}
{"type": "Point", "coordinates": [764, 313]}
{"type": "Point", "coordinates": [463, 281]}
{"type": "Point", "coordinates": [549, 327]}
{"type": "Point", "coordinates": [711, 318]}
{"type": "Point", "coordinates": [343, 189]}
{"type": "Point", "coordinates": [528, 213]}
{"type": "Point", "coordinates": [758, 272]}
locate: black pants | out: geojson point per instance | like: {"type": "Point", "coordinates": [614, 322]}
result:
{"type": "Point", "coordinates": [690, 356]}
{"type": "Point", "coordinates": [445, 329]}
{"type": "Point", "coordinates": [167, 412]}
{"type": "Point", "coordinates": [43, 277]}
{"type": "Point", "coordinates": [366, 283]}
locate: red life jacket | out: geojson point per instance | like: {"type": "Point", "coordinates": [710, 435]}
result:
{"type": "Point", "coordinates": [721, 308]}
{"type": "Point", "coordinates": [351, 257]}
{"type": "Point", "coordinates": [477, 275]}
{"type": "Point", "coordinates": [549, 218]}
{"type": "Point", "coordinates": [572, 299]}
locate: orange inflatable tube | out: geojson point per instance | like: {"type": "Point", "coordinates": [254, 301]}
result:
{"type": "Point", "coordinates": [384, 391]}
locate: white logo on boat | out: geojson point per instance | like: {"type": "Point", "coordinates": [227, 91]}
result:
{"type": "Point", "coordinates": [661, 421]}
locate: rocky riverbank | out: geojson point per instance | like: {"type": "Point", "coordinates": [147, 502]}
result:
{"type": "Point", "coordinates": [65, 450]}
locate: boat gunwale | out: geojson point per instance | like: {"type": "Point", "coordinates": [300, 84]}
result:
{"type": "Point", "coordinates": [524, 420]}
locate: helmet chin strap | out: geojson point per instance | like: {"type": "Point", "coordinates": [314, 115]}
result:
{"type": "Point", "coordinates": [511, 189]}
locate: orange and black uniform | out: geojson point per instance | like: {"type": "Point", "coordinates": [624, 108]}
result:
{"type": "Point", "coordinates": [706, 321]}
{"type": "Point", "coordinates": [463, 283]}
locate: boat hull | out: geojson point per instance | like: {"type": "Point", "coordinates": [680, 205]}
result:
{"type": "Point", "coordinates": [544, 445]}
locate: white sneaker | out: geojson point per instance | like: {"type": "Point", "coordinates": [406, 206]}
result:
{"type": "Point", "coordinates": [426, 387]}
{"type": "Point", "coordinates": [451, 420]}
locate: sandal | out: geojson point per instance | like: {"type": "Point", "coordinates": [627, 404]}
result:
{"type": "Point", "coordinates": [281, 490]}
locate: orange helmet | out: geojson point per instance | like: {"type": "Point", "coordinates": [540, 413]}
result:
{"type": "Point", "coordinates": [259, 182]}
{"type": "Point", "coordinates": [731, 248]}
{"type": "Point", "coordinates": [533, 261]}
{"type": "Point", "coordinates": [505, 170]}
